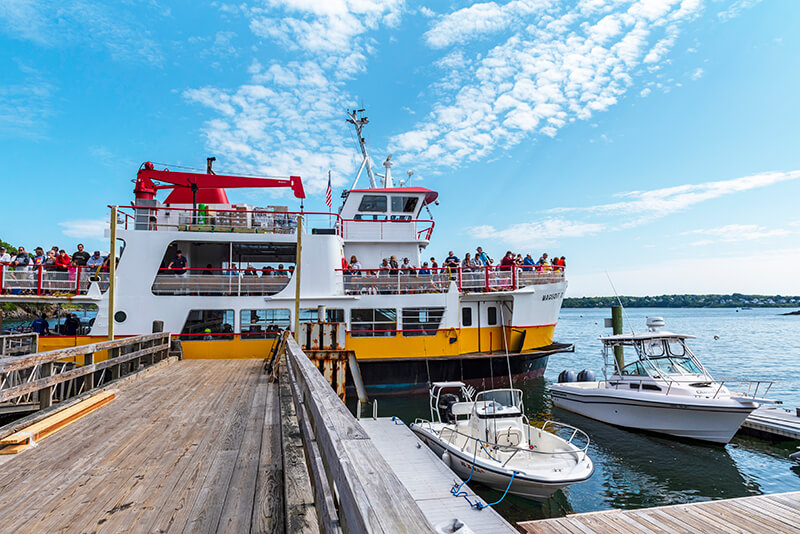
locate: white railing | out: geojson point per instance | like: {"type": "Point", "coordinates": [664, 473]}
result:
{"type": "Point", "coordinates": [220, 282]}
{"type": "Point", "coordinates": [42, 281]}
{"type": "Point", "coordinates": [468, 280]}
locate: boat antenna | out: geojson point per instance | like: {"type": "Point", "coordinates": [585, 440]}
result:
{"type": "Point", "coordinates": [505, 345]}
{"type": "Point", "coordinates": [625, 313]}
{"type": "Point", "coordinates": [358, 120]}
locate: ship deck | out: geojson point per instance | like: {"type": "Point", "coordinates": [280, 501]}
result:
{"type": "Point", "coordinates": [194, 448]}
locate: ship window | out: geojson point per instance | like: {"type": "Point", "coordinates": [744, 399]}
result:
{"type": "Point", "coordinates": [404, 204]}
{"type": "Point", "coordinates": [332, 315]}
{"type": "Point", "coordinates": [368, 322]}
{"type": "Point", "coordinates": [654, 347]}
{"type": "Point", "coordinates": [373, 203]}
{"type": "Point", "coordinates": [263, 324]}
{"type": "Point", "coordinates": [466, 316]}
{"type": "Point", "coordinates": [421, 321]}
{"type": "Point", "coordinates": [633, 369]}
{"type": "Point", "coordinates": [491, 313]}
{"type": "Point", "coordinates": [210, 325]}
{"type": "Point", "coordinates": [361, 217]}
{"type": "Point", "coordinates": [676, 347]}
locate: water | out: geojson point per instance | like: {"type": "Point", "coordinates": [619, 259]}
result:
{"type": "Point", "coordinates": [635, 470]}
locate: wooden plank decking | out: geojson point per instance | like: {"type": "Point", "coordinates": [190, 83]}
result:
{"type": "Point", "coordinates": [186, 450]}
{"type": "Point", "coordinates": [768, 514]}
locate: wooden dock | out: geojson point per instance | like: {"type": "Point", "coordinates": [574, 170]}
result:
{"type": "Point", "coordinates": [428, 479]}
{"type": "Point", "coordinates": [189, 449]}
{"type": "Point", "coordinates": [767, 514]}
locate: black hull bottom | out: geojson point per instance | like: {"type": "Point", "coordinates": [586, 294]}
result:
{"type": "Point", "coordinates": [413, 377]}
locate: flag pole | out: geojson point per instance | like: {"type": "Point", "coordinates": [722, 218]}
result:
{"type": "Point", "coordinates": [330, 217]}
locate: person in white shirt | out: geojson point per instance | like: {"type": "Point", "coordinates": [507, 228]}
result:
{"type": "Point", "coordinates": [5, 257]}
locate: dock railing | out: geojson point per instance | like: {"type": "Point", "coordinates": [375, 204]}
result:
{"type": "Point", "coordinates": [19, 344]}
{"type": "Point", "coordinates": [368, 496]}
{"type": "Point", "coordinates": [75, 370]}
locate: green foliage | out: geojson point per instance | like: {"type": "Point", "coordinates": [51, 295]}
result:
{"type": "Point", "coordinates": [11, 249]}
{"type": "Point", "coordinates": [736, 300]}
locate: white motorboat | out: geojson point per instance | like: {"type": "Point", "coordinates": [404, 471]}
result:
{"type": "Point", "coordinates": [665, 389]}
{"type": "Point", "coordinates": [490, 440]}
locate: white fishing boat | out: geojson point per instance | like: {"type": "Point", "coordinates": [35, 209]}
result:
{"type": "Point", "coordinates": [664, 389]}
{"type": "Point", "coordinates": [487, 438]}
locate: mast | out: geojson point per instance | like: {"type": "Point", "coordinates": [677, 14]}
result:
{"type": "Point", "coordinates": [358, 120]}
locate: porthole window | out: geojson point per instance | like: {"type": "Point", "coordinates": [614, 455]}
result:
{"type": "Point", "coordinates": [120, 316]}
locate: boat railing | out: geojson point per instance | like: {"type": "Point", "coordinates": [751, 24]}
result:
{"type": "Point", "coordinates": [511, 449]}
{"type": "Point", "coordinates": [745, 388]}
{"type": "Point", "coordinates": [402, 281]}
{"type": "Point", "coordinates": [220, 281]}
{"type": "Point", "coordinates": [43, 280]}
{"type": "Point", "coordinates": [387, 229]}
{"type": "Point", "coordinates": [232, 220]}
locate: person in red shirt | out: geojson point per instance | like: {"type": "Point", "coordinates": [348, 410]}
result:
{"type": "Point", "coordinates": [63, 261]}
{"type": "Point", "coordinates": [507, 262]}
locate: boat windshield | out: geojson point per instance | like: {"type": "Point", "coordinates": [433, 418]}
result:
{"type": "Point", "coordinates": [507, 398]}
{"type": "Point", "coordinates": [675, 366]}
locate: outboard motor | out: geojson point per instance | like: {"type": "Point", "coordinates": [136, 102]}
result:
{"type": "Point", "coordinates": [586, 376]}
{"type": "Point", "coordinates": [567, 375]}
{"type": "Point", "coordinates": [795, 456]}
{"type": "Point", "coordinates": [445, 408]}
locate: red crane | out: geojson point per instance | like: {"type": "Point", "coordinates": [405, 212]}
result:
{"type": "Point", "coordinates": [193, 188]}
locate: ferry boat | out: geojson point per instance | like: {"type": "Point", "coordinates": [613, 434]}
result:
{"type": "Point", "coordinates": [407, 327]}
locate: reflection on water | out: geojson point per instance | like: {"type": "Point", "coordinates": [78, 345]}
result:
{"type": "Point", "coordinates": [635, 469]}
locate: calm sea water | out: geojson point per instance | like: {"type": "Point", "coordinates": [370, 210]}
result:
{"type": "Point", "coordinates": [633, 469]}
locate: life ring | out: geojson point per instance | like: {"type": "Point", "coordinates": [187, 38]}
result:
{"type": "Point", "coordinates": [452, 334]}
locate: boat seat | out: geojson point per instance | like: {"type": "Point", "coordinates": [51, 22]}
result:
{"type": "Point", "coordinates": [511, 437]}
{"type": "Point", "coordinates": [462, 408]}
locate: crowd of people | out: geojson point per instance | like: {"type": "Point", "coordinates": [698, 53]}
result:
{"type": "Point", "coordinates": [55, 259]}
{"type": "Point", "coordinates": [471, 262]}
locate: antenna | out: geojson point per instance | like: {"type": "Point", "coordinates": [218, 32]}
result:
{"type": "Point", "coordinates": [625, 313]}
{"type": "Point", "coordinates": [358, 120]}
{"type": "Point", "coordinates": [410, 174]}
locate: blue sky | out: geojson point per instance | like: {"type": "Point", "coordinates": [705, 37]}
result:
{"type": "Point", "coordinates": [652, 140]}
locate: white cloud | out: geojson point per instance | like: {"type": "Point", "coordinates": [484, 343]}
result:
{"type": "Point", "coordinates": [697, 74]}
{"type": "Point", "coordinates": [84, 228]}
{"type": "Point", "coordinates": [656, 203]}
{"type": "Point", "coordinates": [644, 92]}
{"type": "Point", "coordinates": [26, 104]}
{"type": "Point", "coordinates": [736, 9]}
{"type": "Point", "coordinates": [734, 233]}
{"type": "Point", "coordinates": [288, 118]}
{"type": "Point", "coordinates": [539, 233]}
{"type": "Point", "coordinates": [553, 65]}
{"type": "Point", "coordinates": [80, 22]}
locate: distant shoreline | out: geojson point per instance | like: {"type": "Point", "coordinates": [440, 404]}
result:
{"type": "Point", "coordinates": [735, 300]}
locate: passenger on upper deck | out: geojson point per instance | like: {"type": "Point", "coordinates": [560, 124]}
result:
{"type": "Point", "coordinates": [80, 257]}
{"type": "Point", "coordinates": [96, 260]}
{"type": "Point", "coordinates": [507, 262]}
{"type": "Point", "coordinates": [393, 262]}
{"type": "Point", "coordinates": [481, 255]}
{"type": "Point", "coordinates": [409, 269]}
{"type": "Point", "coordinates": [22, 259]}
{"type": "Point", "coordinates": [434, 265]}
{"type": "Point", "coordinates": [528, 263]}
{"type": "Point", "coordinates": [5, 257]}
{"type": "Point", "coordinates": [39, 258]}
{"type": "Point", "coordinates": [178, 264]}
{"type": "Point", "coordinates": [451, 260]}
{"type": "Point", "coordinates": [425, 270]}
{"type": "Point", "coordinates": [468, 264]}
{"type": "Point", "coordinates": [50, 261]}
{"type": "Point", "coordinates": [63, 261]}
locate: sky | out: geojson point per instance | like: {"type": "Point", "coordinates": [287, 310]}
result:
{"type": "Point", "coordinates": [653, 143]}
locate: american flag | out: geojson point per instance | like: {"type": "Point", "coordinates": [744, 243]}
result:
{"type": "Point", "coordinates": [329, 193]}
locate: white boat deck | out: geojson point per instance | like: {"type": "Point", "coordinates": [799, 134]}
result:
{"type": "Point", "coordinates": [775, 421]}
{"type": "Point", "coordinates": [428, 479]}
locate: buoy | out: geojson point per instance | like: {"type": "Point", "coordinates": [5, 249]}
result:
{"type": "Point", "coordinates": [446, 458]}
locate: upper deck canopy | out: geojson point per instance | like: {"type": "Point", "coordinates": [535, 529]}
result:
{"type": "Point", "coordinates": [430, 195]}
